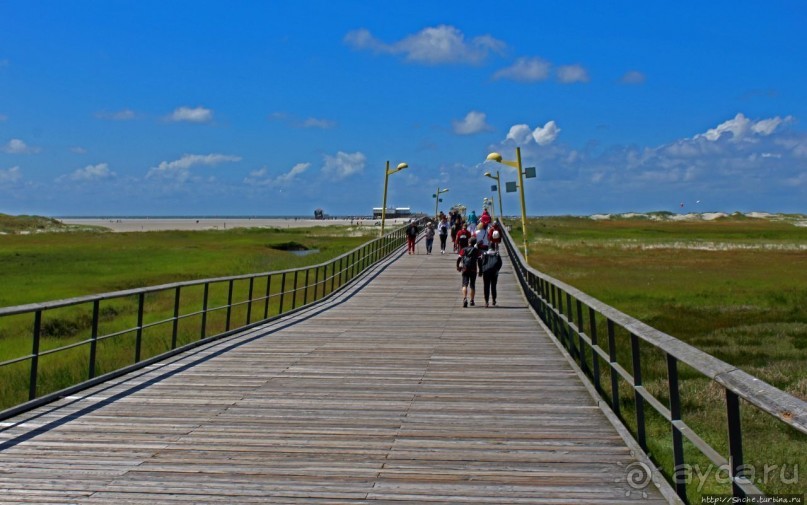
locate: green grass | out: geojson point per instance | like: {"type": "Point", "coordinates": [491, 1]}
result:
{"type": "Point", "coordinates": [49, 266]}
{"type": "Point", "coordinates": [734, 287]}
{"type": "Point", "coordinates": [45, 266]}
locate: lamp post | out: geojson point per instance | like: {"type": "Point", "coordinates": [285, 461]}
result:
{"type": "Point", "coordinates": [499, 188]}
{"type": "Point", "coordinates": [387, 173]}
{"type": "Point", "coordinates": [517, 165]}
{"type": "Point", "coordinates": [489, 201]}
{"type": "Point", "coordinates": [437, 199]}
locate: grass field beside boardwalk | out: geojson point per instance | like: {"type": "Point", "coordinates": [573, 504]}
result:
{"type": "Point", "coordinates": [47, 266]}
{"type": "Point", "coordinates": [733, 287]}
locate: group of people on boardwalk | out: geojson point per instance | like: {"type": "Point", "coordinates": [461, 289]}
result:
{"type": "Point", "coordinates": [475, 241]}
{"type": "Point", "coordinates": [477, 245]}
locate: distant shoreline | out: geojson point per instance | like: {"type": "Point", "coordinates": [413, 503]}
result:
{"type": "Point", "coordinates": [132, 224]}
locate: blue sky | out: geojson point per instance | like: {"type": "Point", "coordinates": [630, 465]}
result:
{"type": "Point", "coordinates": [277, 108]}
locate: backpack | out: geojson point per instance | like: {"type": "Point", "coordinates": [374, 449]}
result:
{"type": "Point", "coordinates": [491, 262]}
{"type": "Point", "coordinates": [469, 259]}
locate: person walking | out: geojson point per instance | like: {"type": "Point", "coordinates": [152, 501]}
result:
{"type": "Point", "coordinates": [472, 221]}
{"type": "Point", "coordinates": [494, 235]}
{"type": "Point", "coordinates": [489, 265]}
{"type": "Point", "coordinates": [481, 233]}
{"type": "Point", "coordinates": [462, 237]}
{"type": "Point", "coordinates": [411, 235]}
{"type": "Point", "coordinates": [442, 231]}
{"type": "Point", "coordinates": [429, 235]}
{"type": "Point", "coordinates": [467, 265]}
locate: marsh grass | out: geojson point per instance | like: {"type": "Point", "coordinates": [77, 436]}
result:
{"type": "Point", "coordinates": [735, 288]}
{"type": "Point", "coordinates": [48, 266]}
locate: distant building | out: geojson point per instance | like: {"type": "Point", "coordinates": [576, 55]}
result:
{"type": "Point", "coordinates": [319, 214]}
{"type": "Point", "coordinates": [392, 213]}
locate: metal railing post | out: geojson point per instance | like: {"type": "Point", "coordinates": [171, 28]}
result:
{"type": "Point", "coordinates": [638, 398]}
{"type": "Point", "coordinates": [96, 310]}
{"type": "Point", "coordinates": [175, 329]}
{"type": "Point", "coordinates": [249, 305]}
{"type": "Point", "coordinates": [294, 292]}
{"type": "Point", "coordinates": [204, 311]}
{"type": "Point", "coordinates": [679, 471]}
{"type": "Point", "coordinates": [305, 290]}
{"type": "Point", "coordinates": [35, 355]}
{"type": "Point", "coordinates": [595, 360]}
{"type": "Point", "coordinates": [229, 304]}
{"type": "Point", "coordinates": [139, 340]}
{"type": "Point", "coordinates": [612, 360]}
{"type": "Point", "coordinates": [268, 296]}
{"type": "Point", "coordinates": [735, 441]}
{"type": "Point", "coordinates": [282, 292]}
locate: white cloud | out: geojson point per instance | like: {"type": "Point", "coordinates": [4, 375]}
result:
{"type": "Point", "coordinates": [17, 146]}
{"type": "Point", "coordinates": [261, 177]}
{"type": "Point", "coordinates": [91, 173]}
{"type": "Point", "coordinates": [743, 128]}
{"type": "Point", "coordinates": [78, 150]}
{"type": "Point", "coordinates": [294, 122]}
{"type": "Point", "coordinates": [294, 172]}
{"type": "Point", "coordinates": [318, 123]}
{"type": "Point", "coordinates": [542, 135]}
{"type": "Point", "coordinates": [568, 74]}
{"type": "Point", "coordinates": [432, 46]}
{"type": "Point", "coordinates": [738, 127]}
{"type": "Point", "coordinates": [766, 127]}
{"type": "Point", "coordinates": [344, 164]}
{"type": "Point", "coordinates": [121, 115]}
{"type": "Point", "coordinates": [520, 134]}
{"type": "Point", "coordinates": [546, 134]}
{"type": "Point", "coordinates": [525, 70]}
{"type": "Point", "coordinates": [633, 77]}
{"type": "Point", "coordinates": [180, 169]}
{"type": "Point", "coordinates": [474, 122]}
{"type": "Point", "coordinates": [191, 115]}
{"type": "Point", "coordinates": [12, 174]}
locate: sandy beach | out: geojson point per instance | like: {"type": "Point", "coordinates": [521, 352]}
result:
{"type": "Point", "coordinates": [222, 223]}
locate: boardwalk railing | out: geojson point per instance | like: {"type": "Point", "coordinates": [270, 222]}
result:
{"type": "Point", "coordinates": [578, 320]}
{"type": "Point", "coordinates": [79, 342]}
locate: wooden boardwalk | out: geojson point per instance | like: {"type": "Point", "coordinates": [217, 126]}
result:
{"type": "Point", "coordinates": [389, 393]}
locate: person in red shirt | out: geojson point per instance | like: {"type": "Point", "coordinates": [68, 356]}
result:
{"type": "Point", "coordinates": [485, 219]}
{"type": "Point", "coordinates": [411, 236]}
{"type": "Point", "coordinates": [462, 237]}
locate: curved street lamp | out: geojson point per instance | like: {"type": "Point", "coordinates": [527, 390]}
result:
{"type": "Point", "coordinates": [489, 201]}
{"type": "Point", "coordinates": [499, 188]}
{"type": "Point", "coordinates": [437, 199]}
{"type": "Point", "coordinates": [517, 165]}
{"type": "Point", "coordinates": [387, 173]}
